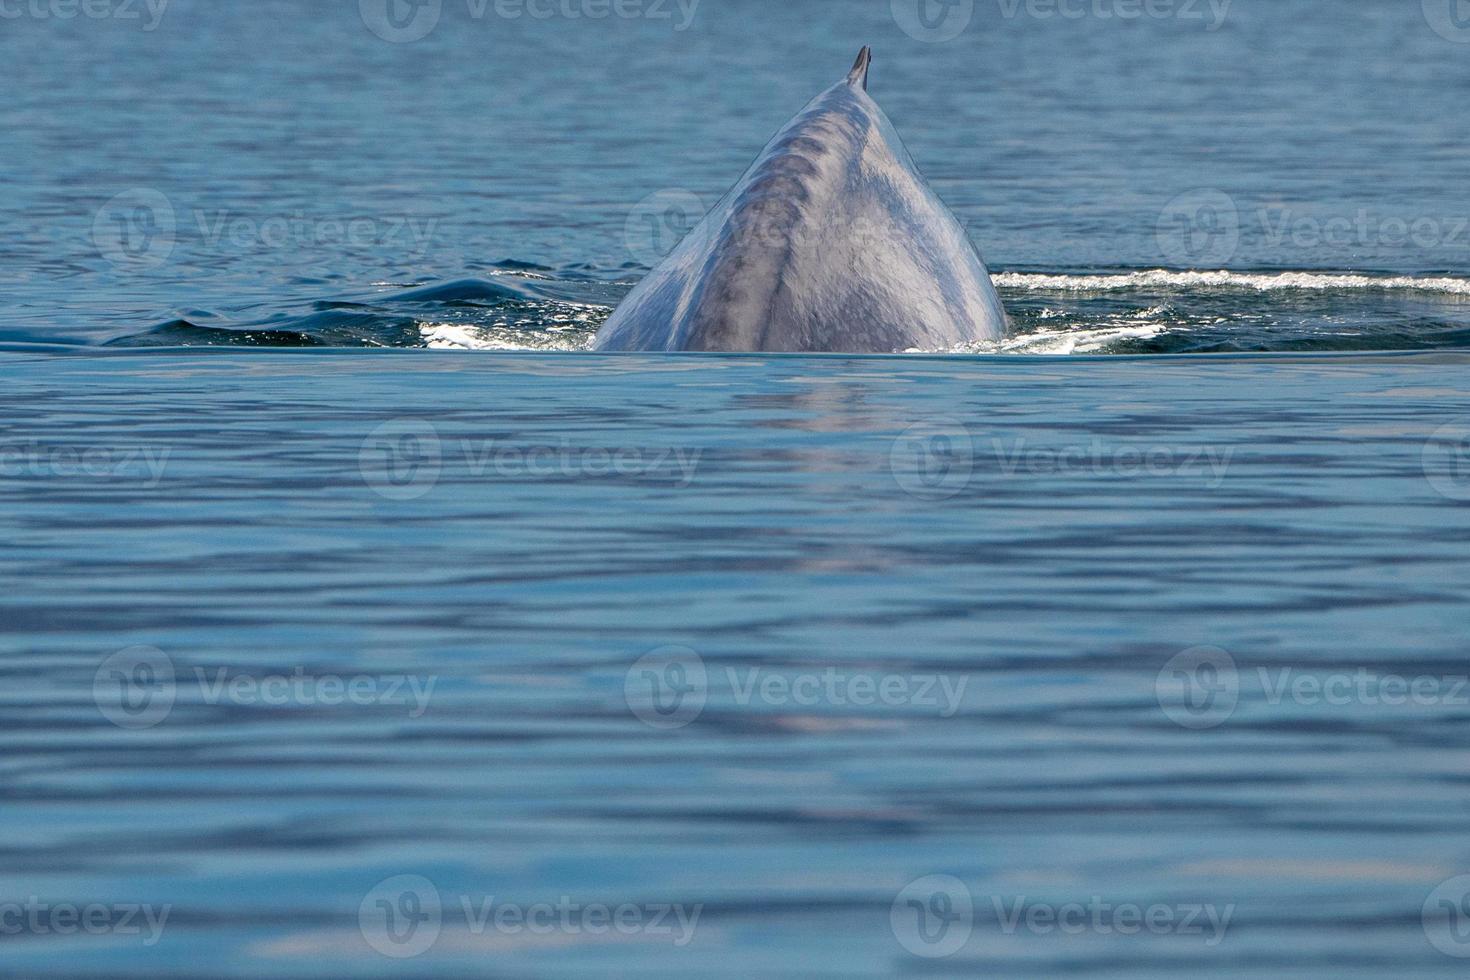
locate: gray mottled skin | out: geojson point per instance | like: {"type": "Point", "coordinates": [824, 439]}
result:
{"type": "Point", "coordinates": [830, 242]}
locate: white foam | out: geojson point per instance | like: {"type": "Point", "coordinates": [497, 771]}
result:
{"type": "Point", "coordinates": [454, 336]}
{"type": "Point", "coordinates": [1076, 341]}
{"type": "Point", "coordinates": [1264, 282]}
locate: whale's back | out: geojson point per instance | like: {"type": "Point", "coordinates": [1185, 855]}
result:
{"type": "Point", "coordinates": [831, 241]}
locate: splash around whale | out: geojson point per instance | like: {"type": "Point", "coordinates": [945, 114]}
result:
{"type": "Point", "coordinates": [830, 242]}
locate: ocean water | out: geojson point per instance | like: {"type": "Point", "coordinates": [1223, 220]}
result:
{"type": "Point", "coordinates": [355, 620]}
{"type": "Point", "coordinates": [277, 173]}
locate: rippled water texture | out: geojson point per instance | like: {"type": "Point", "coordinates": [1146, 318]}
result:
{"type": "Point", "coordinates": [1089, 520]}
{"type": "Point", "coordinates": [851, 666]}
{"type": "Point", "coordinates": [275, 173]}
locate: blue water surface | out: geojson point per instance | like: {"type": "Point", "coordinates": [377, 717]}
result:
{"type": "Point", "coordinates": [520, 536]}
{"type": "Point", "coordinates": [276, 172]}
{"type": "Point", "coordinates": [510, 659]}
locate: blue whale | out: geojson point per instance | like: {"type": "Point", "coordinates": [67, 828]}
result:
{"type": "Point", "coordinates": [832, 241]}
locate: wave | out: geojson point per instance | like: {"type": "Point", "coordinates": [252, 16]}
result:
{"type": "Point", "coordinates": [455, 336]}
{"type": "Point", "coordinates": [1223, 279]}
{"type": "Point", "coordinates": [1140, 311]}
{"type": "Point", "coordinates": [458, 291]}
{"type": "Point", "coordinates": [1066, 340]}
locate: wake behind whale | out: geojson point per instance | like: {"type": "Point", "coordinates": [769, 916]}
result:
{"type": "Point", "coordinates": [830, 242]}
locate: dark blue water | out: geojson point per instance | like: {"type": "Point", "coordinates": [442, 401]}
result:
{"type": "Point", "coordinates": [286, 175]}
{"type": "Point", "coordinates": [503, 549]}
{"type": "Point", "coordinates": [508, 659]}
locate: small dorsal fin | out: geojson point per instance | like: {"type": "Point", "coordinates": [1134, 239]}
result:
{"type": "Point", "coordinates": [859, 74]}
